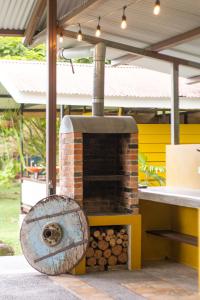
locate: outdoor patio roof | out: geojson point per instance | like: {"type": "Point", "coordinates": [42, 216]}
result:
{"type": "Point", "coordinates": [174, 32]}
{"type": "Point", "coordinates": [26, 82]}
{"type": "Point", "coordinates": [146, 30]}
{"type": "Point", "coordinates": [168, 42]}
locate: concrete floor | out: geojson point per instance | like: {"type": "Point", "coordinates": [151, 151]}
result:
{"type": "Point", "coordinates": [163, 280]}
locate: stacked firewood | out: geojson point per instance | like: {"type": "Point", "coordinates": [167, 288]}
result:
{"type": "Point", "coordinates": [108, 247]}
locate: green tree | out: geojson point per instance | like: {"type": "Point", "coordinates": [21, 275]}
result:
{"type": "Point", "coordinates": [9, 135]}
{"type": "Point", "coordinates": [13, 48]}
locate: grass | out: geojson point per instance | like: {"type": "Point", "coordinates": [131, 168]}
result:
{"type": "Point", "coordinates": [9, 216]}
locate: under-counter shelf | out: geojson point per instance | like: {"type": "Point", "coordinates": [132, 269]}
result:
{"type": "Point", "coordinates": [175, 236]}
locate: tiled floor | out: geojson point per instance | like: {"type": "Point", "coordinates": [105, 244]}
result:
{"type": "Point", "coordinates": [159, 280]}
{"type": "Point", "coordinates": [156, 281]}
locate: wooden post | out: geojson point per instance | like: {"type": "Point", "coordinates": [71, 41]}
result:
{"type": "Point", "coordinates": [51, 98]}
{"type": "Point", "coordinates": [175, 134]}
{"type": "Point", "coordinates": [21, 125]}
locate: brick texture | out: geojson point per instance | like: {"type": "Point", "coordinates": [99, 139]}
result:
{"type": "Point", "coordinates": [84, 156]}
{"type": "Point", "coordinates": [71, 166]}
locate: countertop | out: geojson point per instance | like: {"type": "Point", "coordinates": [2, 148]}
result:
{"type": "Point", "coordinates": [171, 195]}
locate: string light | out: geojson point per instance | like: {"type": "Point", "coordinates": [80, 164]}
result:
{"type": "Point", "coordinates": [79, 35]}
{"type": "Point", "coordinates": [98, 30]}
{"type": "Point", "coordinates": [156, 9]}
{"type": "Point", "coordinates": [124, 22]}
{"type": "Point", "coordinates": [61, 38]}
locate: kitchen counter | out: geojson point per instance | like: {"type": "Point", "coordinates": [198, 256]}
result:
{"type": "Point", "coordinates": [33, 190]}
{"type": "Point", "coordinates": [186, 197]}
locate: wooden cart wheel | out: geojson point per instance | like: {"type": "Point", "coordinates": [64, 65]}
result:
{"type": "Point", "coordinates": [54, 235]}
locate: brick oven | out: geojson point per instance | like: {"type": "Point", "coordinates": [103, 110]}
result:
{"type": "Point", "coordinates": [99, 169]}
{"type": "Point", "coordinates": [99, 166]}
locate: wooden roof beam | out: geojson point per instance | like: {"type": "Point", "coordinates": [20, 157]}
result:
{"type": "Point", "coordinates": [63, 22]}
{"type": "Point", "coordinates": [11, 32]}
{"type": "Point", "coordinates": [193, 79]}
{"type": "Point", "coordinates": [138, 51]}
{"type": "Point", "coordinates": [36, 16]}
{"type": "Point", "coordinates": [39, 38]}
{"type": "Point", "coordinates": [176, 40]}
{"type": "Point", "coordinates": [162, 45]}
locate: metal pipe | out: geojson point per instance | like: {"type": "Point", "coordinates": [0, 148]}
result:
{"type": "Point", "coordinates": [69, 53]}
{"type": "Point", "coordinates": [98, 84]}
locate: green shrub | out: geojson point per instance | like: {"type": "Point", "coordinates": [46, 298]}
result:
{"type": "Point", "coordinates": [9, 168]}
{"type": "Point", "coordinates": [151, 173]}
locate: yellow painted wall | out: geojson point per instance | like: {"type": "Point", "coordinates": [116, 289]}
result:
{"type": "Point", "coordinates": [153, 139]}
{"type": "Point", "coordinates": [163, 216]}
{"type": "Point", "coordinates": [185, 220]}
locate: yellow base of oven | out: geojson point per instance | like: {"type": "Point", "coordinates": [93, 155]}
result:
{"type": "Point", "coordinates": [164, 216]}
{"type": "Point", "coordinates": [134, 230]}
{"type": "Point", "coordinates": [181, 219]}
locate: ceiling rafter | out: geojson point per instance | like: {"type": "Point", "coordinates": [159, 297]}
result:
{"type": "Point", "coordinates": [193, 79]}
{"type": "Point", "coordinates": [11, 32]}
{"type": "Point", "coordinates": [63, 22]}
{"type": "Point", "coordinates": [39, 38]}
{"type": "Point", "coordinates": [162, 45]}
{"type": "Point", "coordinates": [138, 51]}
{"type": "Point", "coordinates": [77, 10]}
{"type": "Point", "coordinates": [36, 16]}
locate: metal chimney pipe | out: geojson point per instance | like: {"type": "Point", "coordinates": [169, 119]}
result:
{"type": "Point", "coordinates": [98, 84]}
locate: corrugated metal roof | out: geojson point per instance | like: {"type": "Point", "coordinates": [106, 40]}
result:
{"type": "Point", "coordinates": [3, 91]}
{"type": "Point", "coordinates": [14, 14]}
{"type": "Point", "coordinates": [124, 81]}
{"type": "Point", "coordinates": [8, 104]}
{"type": "Point", "coordinates": [177, 16]}
{"type": "Point", "coordinates": [63, 7]}
{"type": "Point", "coordinates": [144, 28]}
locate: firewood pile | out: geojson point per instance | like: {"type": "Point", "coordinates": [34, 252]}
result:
{"type": "Point", "coordinates": [108, 248]}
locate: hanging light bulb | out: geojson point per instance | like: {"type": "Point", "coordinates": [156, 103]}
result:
{"type": "Point", "coordinates": [79, 35]}
{"type": "Point", "coordinates": [98, 30]}
{"type": "Point", "coordinates": [61, 38]}
{"type": "Point", "coordinates": [156, 9]}
{"type": "Point", "coordinates": [124, 23]}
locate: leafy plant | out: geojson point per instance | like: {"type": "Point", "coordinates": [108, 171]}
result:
{"type": "Point", "coordinates": [34, 143]}
{"type": "Point", "coordinates": [11, 133]}
{"type": "Point", "coordinates": [35, 138]}
{"type": "Point", "coordinates": [151, 173]}
{"type": "Point", "coordinates": [10, 144]}
{"type": "Point", "coordinates": [13, 48]}
{"type": "Point", "coordinates": [8, 170]}
{"type": "Point", "coordinates": [88, 60]}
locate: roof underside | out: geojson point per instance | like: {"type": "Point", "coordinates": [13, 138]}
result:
{"type": "Point", "coordinates": [15, 14]}
{"type": "Point", "coordinates": [144, 29]}
{"type": "Point", "coordinates": [28, 76]}
{"type": "Point", "coordinates": [25, 81]}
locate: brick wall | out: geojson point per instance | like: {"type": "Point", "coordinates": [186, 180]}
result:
{"type": "Point", "coordinates": [83, 156]}
{"type": "Point", "coordinates": [129, 162]}
{"type": "Point", "coordinates": [71, 166]}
